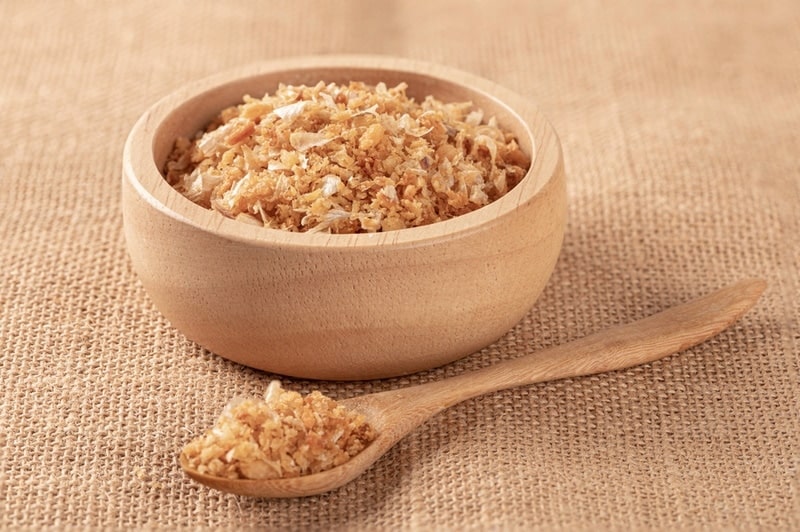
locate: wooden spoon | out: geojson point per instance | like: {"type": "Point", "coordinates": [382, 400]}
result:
{"type": "Point", "coordinates": [395, 413]}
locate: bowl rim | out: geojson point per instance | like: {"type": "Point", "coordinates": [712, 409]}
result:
{"type": "Point", "coordinates": [140, 170]}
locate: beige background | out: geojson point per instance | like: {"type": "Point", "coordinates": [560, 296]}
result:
{"type": "Point", "coordinates": [680, 123]}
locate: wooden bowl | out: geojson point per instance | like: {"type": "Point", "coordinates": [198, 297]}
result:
{"type": "Point", "coordinates": [344, 307]}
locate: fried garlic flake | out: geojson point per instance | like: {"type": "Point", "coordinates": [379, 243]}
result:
{"type": "Point", "coordinates": [283, 435]}
{"type": "Point", "coordinates": [346, 159]}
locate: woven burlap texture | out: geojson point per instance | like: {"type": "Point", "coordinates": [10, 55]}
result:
{"type": "Point", "coordinates": [680, 123]}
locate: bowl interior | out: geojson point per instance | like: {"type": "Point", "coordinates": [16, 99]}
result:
{"type": "Point", "coordinates": [192, 115]}
{"type": "Point", "coordinates": [188, 110]}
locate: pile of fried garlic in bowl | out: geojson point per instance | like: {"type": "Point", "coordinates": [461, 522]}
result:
{"type": "Point", "coordinates": [346, 217]}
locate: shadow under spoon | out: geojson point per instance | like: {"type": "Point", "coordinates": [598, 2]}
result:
{"type": "Point", "coordinates": [396, 413]}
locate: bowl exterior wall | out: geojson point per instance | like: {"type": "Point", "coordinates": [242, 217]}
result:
{"type": "Point", "coordinates": [347, 313]}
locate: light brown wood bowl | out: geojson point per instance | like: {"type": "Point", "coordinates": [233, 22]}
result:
{"type": "Point", "coordinates": [345, 307]}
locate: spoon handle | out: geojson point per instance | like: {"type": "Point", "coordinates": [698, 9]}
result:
{"type": "Point", "coordinates": [619, 347]}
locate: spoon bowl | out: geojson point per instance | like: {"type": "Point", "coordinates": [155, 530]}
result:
{"type": "Point", "coordinates": [395, 413]}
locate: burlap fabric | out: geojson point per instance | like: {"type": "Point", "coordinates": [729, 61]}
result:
{"type": "Point", "coordinates": [680, 123]}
